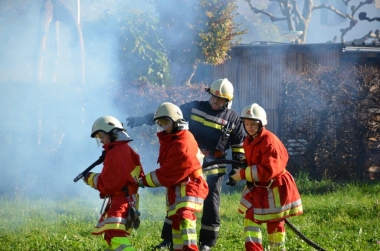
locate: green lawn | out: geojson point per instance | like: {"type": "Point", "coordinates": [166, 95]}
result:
{"type": "Point", "coordinates": [344, 217]}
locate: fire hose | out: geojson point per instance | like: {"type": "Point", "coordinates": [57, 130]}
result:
{"type": "Point", "coordinates": [287, 222]}
{"type": "Point", "coordinates": [99, 161]}
{"type": "Point", "coordinates": [219, 161]}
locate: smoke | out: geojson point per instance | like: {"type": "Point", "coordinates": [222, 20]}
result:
{"type": "Point", "coordinates": [47, 120]}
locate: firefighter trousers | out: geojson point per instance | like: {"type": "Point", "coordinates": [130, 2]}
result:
{"type": "Point", "coordinates": [253, 235]}
{"type": "Point", "coordinates": [117, 241]}
{"type": "Point", "coordinates": [210, 221]}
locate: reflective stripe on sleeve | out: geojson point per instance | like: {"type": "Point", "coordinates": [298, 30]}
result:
{"type": "Point", "coordinates": [251, 174]}
{"type": "Point", "coordinates": [237, 149]}
{"type": "Point", "coordinates": [93, 180]}
{"type": "Point", "coordinates": [152, 180]}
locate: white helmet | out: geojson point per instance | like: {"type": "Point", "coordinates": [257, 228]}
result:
{"type": "Point", "coordinates": [106, 124]}
{"type": "Point", "coordinates": [255, 112]}
{"type": "Point", "coordinates": [170, 110]}
{"type": "Point", "coordinates": [222, 88]}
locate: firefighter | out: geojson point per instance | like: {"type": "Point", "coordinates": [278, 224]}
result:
{"type": "Point", "coordinates": [117, 183]}
{"type": "Point", "coordinates": [216, 128]}
{"type": "Point", "coordinates": [181, 173]}
{"type": "Point", "coordinates": [271, 194]}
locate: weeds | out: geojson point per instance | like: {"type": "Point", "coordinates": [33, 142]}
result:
{"type": "Point", "coordinates": [336, 217]}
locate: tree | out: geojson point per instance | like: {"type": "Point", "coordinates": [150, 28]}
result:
{"type": "Point", "coordinates": [53, 12]}
{"type": "Point", "coordinates": [131, 37]}
{"type": "Point", "coordinates": [196, 32]}
{"type": "Point", "coordinates": [299, 21]}
{"type": "Point", "coordinates": [257, 26]}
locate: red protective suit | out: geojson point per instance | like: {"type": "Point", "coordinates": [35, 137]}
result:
{"type": "Point", "coordinates": [271, 194]}
{"type": "Point", "coordinates": [122, 167]}
{"type": "Point", "coordinates": [181, 172]}
{"type": "Point", "coordinates": [267, 158]}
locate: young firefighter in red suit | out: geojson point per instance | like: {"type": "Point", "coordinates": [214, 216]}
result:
{"type": "Point", "coordinates": [271, 194]}
{"type": "Point", "coordinates": [216, 128]}
{"type": "Point", "coordinates": [181, 173]}
{"type": "Point", "coordinates": [117, 182]}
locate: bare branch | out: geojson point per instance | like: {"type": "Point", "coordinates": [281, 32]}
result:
{"type": "Point", "coordinates": [362, 39]}
{"type": "Point", "coordinates": [343, 32]}
{"type": "Point", "coordinates": [363, 16]}
{"type": "Point", "coordinates": [297, 13]}
{"type": "Point", "coordinates": [270, 15]}
{"type": "Point", "coordinates": [329, 7]}
{"type": "Point", "coordinates": [354, 9]}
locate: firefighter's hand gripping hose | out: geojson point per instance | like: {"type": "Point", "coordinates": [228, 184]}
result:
{"type": "Point", "coordinates": [290, 225]}
{"type": "Point", "coordinates": [88, 169]}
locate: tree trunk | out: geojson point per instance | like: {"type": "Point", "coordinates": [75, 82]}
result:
{"type": "Point", "coordinates": [52, 12]}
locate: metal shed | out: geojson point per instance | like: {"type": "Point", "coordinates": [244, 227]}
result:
{"type": "Point", "coordinates": [257, 70]}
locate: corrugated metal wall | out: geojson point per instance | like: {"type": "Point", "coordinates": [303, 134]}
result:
{"type": "Point", "coordinates": [257, 71]}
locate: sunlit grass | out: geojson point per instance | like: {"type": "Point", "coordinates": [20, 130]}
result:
{"type": "Point", "coordinates": [345, 218]}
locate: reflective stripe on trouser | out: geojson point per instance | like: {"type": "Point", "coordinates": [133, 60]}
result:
{"type": "Point", "coordinates": [185, 238]}
{"type": "Point", "coordinates": [253, 235]}
{"type": "Point", "coordinates": [210, 216]}
{"type": "Point", "coordinates": [276, 235]}
{"type": "Point", "coordinates": [120, 244]}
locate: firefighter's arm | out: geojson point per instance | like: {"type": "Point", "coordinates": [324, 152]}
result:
{"type": "Point", "coordinates": [237, 155]}
{"type": "Point", "coordinates": [139, 121]}
{"type": "Point", "coordinates": [91, 179]}
{"type": "Point", "coordinates": [238, 175]}
{"type": "Point", "coordinates": [141, 183]}
{"type": "Point", "coordinates": [238, 172]}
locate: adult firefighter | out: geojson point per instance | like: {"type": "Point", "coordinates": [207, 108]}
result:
{"type": "Point", "coordinates": [116, 183]}
{"type": "Point", "coordinates": [216, 128]}
{"type": "Point", "coordinates": [181, 173]}
{"type": "Point", "coordinates": [271, 194]}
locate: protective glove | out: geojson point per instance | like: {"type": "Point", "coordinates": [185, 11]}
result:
{"type": "Point", "coordinates": [141, 183]}
{"type": "Point", "coordinates": [242, 165]}
{"type": "Point", "coordinates": [133, 121]}
{"type": "Point", "coordinates": [86, 177]}
{"type": "Point", "coordinates": [236, 176]}
{"type": "Point", "coordinates": [231, 182]}
{"type": "Point", "coordinates": [133, 218]}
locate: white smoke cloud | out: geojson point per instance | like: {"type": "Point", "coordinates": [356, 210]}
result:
{"type": "Point", "coordinates": [47, 122]}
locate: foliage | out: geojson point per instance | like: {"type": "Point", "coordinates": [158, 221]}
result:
{"type": "Point", "coordinates": [196, 32]}
{"type": "Point", "coordinates": [139, 32]}
{"type": "Point", "coordinates": [220, 30]}
{"type": "Point", "coordinates": [141, 54]}
{"type": "Point", "coordinates": [323, 126]}
{"type": "Point", "coordinates": [345, 219]}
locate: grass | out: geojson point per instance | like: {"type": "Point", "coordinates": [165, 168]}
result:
{"type": "Point", "coordinates": [336, 217]}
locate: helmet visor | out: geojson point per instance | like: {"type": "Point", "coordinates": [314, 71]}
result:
{"type": "Point", "coordinates": [163, 124]}
{"type": "Point", "coordinates": [99, 137]}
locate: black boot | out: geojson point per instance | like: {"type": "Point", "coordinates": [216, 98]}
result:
{"type": "Point", "coordinates": [164, 244]}
{"type": "Point", "coordinates": [204, 248]}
